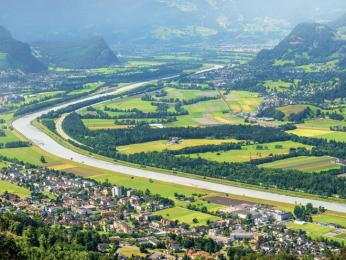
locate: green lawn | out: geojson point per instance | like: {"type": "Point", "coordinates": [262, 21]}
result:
{"type": "Point", "coordinates": [305, 164]}
{"type": "Point", "coordinates": [250, 152]}
{"type": "Point", "coordinates": [14, 189]}
{"type": "Point", "coordinates": [165, 145]}
{"type": "Point", "coordinates": [184, 215]}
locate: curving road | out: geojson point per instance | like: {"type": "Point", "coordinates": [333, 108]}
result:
{"type": "Point", "coordinates": [45, 142]}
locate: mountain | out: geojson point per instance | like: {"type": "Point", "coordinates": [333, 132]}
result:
{"type": "Point", "coordinates": [89, 53]}
{"type": "Point", "coordinates": [307, 43]}
{"type": "Point", "coordinates": [16, 55]}
{"type": "Point", "coordinates": [163, 21]}
{"type": "Point", "coordinates": [338, 23]}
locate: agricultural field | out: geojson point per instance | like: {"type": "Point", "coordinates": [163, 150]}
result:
{"type": "Point", "coordinates": [305, 164]}
{"type": "Point", "coordinates": [166, 145]}
{"type": "Point", "coordinates": [96, 124]}
{"type": "Point", "coordinates": [317, 231]}
{"type": "Point", "coordinates": [210, 112]}
{"type": "Point", "coordinates": [187, 216]}
{"type": "Point", "coordinates": [251, 152]}
{"type": "Point", "coordinates": [6, 186]}
{"type": "Point", "coordinates": [320, 128]}
{"type": "Point", "coordinates": [128, 103]}
{"type": "Point", "coordinates": [186, 94]}
{"type": "Point", "coordinates": [292, 109]}
{"type": "Point", "coordinates": [244, 101]}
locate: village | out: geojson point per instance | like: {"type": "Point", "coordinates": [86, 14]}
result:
{"type": "Point", "coordinates": [128, 217]}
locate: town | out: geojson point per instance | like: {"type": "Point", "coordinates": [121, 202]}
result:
{"type": "Point", "coordinates": [129, 220]}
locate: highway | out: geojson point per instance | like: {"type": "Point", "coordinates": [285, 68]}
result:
{"type": "Point", "coordinates": [45, 142]}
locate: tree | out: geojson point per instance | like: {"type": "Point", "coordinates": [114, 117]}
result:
{"type": "Point", "coordinates": [43, 159]}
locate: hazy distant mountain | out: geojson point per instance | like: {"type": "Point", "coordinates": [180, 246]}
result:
{"type": "Point", "coordinates": [89, 53]}
{"type": "Point", "coordinates": [155, 21]}
{"type": "Point", "coordinates": [15, 55]}
{"type": "Point", "coordinates": [307, 43]}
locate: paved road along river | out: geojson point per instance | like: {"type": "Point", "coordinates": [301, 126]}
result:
{"type": "Point", "coordinates": [45, 142]}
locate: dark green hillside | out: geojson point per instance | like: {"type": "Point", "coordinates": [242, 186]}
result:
{"type": "Point", "coordinates": [90, 53]}
{"type": "Point", "coordinates": [307, 43]}
{"type": "Point", "coordinates": [15, 55]}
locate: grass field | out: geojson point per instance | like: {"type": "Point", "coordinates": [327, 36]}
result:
{"type": "Point", "coordinates": [96, 124]}
{"type": "Point", "coordinates": [130, 251]}
{"type": "Point", "coordinates": [279, 85]}
{"type": "Point", "coordinates": [184, 215]}
{"type": "Point", "coordinates": [244, 101]}
{"type": "Point", "coordinates": [320, 128]}
{"type": "Point", "coordinates": [331, 217]}
{"type": "Point", "coordinates": [128, 103]}
{"type": "Point", "coordinates": [317, 231]}
{"type": "Point", "coordinates": [87, 88]}
{"type": "Point", "coordinates": [250, 152]}
{"type": "Point", "coordinates": [292, 109]}
{"type": "Point", "coordinates": [305, 164]}
{"type": "Point", "coordinates": [186, 94]}
{"type": "Point", "coordinates": [14, 189]}
{"type": "Point", "coordinates": [28, 155]}
{"type": "Point", "coordinates": [164, 145]}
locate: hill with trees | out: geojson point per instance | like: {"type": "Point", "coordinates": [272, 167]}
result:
{"type": "Point", "coordinates": [307, 43]}
{"type": "Point", "coordinates": [89, 53]}
{"type": "Point", "coordinates": [16, 55]}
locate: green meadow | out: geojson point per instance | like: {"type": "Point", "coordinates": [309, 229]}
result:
{"type": "Point", "coordinates": [187, 216]}
{"type": "Point", "coordinates": [251, 152]}
{"type": "Point", "coordinates": [6, 186]}
{"type": "Point", "coordinates": [305, 164]}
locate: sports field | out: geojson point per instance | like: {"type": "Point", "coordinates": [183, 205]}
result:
{"type": "Point", "coordinates": [317, 231]}
{"type": "Point", "coordinates": [165, 145]}
{"type": "Point", "coordinates": [305, 164]}
{"type": "Point", "coordinates": [187, 216]}
{"type": "Point", "coordinates": [251, 152]}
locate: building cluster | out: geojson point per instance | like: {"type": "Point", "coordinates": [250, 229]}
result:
{"type": "Point", "coordinates": [130, 217]}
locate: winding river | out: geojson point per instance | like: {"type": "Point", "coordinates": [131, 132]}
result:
{"type": "Point", "coordinates": [45, 142]}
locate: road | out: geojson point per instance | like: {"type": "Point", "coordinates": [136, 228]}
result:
{"type": "Point", "coordinates": [45, 142]}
